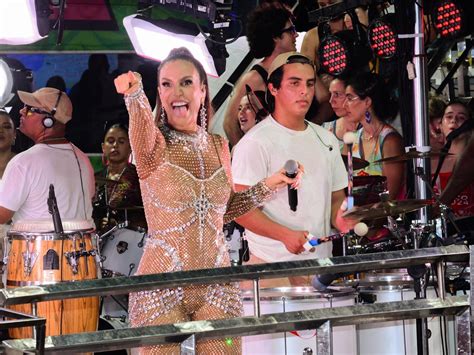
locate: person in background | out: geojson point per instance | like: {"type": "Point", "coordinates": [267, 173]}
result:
{"type": "Point", "coordinates": [436, 107]}
{"type": "Point", "coordinates": [188, 194]}
{"type": "Point", "coordinates": [250, 111]}
{"type": "Point", "coordinates": [270, 32]}
{"type": "Point", "coordinates": [120, 191]}
{"type": "Point", "coordinates": [337, 89]}
{"type": "Point", "coordinates": [455, 114]}
{"type": "Point", "coordinates": [367, 102]}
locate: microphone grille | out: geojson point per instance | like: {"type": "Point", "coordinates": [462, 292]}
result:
{"type": "Point", "coordinates": [291, 166]}
{"type": "Point", "coordinates": [361, 229]}
{"type": "Point", "coordinates": [349, 138]}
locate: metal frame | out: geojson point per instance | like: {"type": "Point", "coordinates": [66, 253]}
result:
{"type": "Point", "coordinates": [187, 333]}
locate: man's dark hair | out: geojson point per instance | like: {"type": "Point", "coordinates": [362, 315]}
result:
{"type": "Point", "coordinates": [264, 24]}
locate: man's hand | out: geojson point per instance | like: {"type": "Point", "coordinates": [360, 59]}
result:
{"type": "Point", "coordinates": [294, 241]}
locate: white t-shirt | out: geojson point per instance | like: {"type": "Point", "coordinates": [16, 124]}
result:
{"type": "Point", "coordinates": [25, 184]}
{"type": "Point", "coordinates": [262, 152]}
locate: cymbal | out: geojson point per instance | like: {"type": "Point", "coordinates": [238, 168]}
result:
{"type": "Point", "coordinates": [100, 180]}
{"type": "Point", "coordinates": [357, 163]}
{"type": "Point", "coordinates": [385, 209]}
{"type": "Point", "coordinates": [412, 154]}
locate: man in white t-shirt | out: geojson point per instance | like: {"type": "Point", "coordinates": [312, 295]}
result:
{"type": "Point", "coordinates": [24, 189]}
{"type": "Point", "coordinates": [275, 232]}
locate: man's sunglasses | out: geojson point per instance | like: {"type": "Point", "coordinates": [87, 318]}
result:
{"type": "Point", "coordinates": [36, 110]}
{"type": "Point", "coordinates": [291, 29]}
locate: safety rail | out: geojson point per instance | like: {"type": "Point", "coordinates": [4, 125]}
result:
{"type": "Point", "coordinates": [187, 332]}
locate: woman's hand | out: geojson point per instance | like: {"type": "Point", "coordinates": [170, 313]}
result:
{"type": "Point", "coordinates": [279, 179]}
{"type": "Point", "coordinates": [126, 83]}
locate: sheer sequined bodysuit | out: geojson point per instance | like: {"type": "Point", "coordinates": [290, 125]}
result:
{"type": "Point", "coordinates": [186, 188]}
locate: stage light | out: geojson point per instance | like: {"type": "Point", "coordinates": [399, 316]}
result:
{"type": "Point", "coordinates": [448, 18]}
{"type": "Point", "coordinates": [23, 21]}
{"type": "Point", "coordinates": [344, 51]}
{"type": "Point", "coordinates": [334, 55]}
{"type": "Point", "coordinates": [382, 38]}
{"type": "Point", "coordinates": [156, 38]}
{"type": "Point", "coordinates": [6, 84]}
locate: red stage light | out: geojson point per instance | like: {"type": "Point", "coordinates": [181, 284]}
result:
{"type": "Point", "coordinates": [382, 38]}
{"type": "Point", "coordinates": [333, 55]}
{"type": "Point", "coordinates": [448, 18]}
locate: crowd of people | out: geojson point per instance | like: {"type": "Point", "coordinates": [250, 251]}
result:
{"type": "Point", "coordinates": [166, 174]}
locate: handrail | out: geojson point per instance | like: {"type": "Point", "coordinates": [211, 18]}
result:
{"type": "Point", "coordinates": [121, 285]}
{"type": "Point", "coordinates": [271, 323]}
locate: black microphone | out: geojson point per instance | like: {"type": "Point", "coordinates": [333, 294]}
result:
{"type": "Point", "coordinates": [465, 127]}
{"type": "Point", "coordinates": [54, 210]}
{"type": "Point", "coordinates": [291, 170]}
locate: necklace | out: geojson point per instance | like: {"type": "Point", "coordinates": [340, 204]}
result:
{"type": "Point", "coordinates": [375, 135]}
{"type": "Point", "coordinates": [197, 141]}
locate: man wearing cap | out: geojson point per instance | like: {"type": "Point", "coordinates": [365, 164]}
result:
{"type": "Point", "coordinates": [52, 160]}
{"type": "Point", "coordinates": [276, 233]}
{"type": "Point", "coordinates": [270, 31]}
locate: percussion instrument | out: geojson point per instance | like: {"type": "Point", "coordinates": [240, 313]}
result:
{"type": "Point", "coordinates": [289, 299]}
{"type": "Point", "coordinates": [412, 154]}
{"type": "Point", "coordinates": [396, 337]}
{"type": "Point", "coordinates": [384, 209]}
{"type": "Point", "coordinates": [357, 163]}
{"type": "Point", "coordinates": [43, 257]}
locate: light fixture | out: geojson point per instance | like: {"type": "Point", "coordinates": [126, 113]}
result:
{"type": "Point", "coordinates": [334, 55]}
{"type": "Point", "coordinates": [23, 21]}
{"type": "Point", "coordinates": [156, 38]}
{"type": "Point", "coordinates": [448, 18]}
{"type": "Point", "coordinates": [6, 84]}
{"type": "Point", "coordinates": [383, 37]}
{"type": "Point", "coordinates": [344, 51]}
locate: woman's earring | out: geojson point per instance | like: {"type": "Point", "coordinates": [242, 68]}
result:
{"type": "Point", "coordinates": [203, 117]}
{"type": "Point", "coordinates": [368, 117]}
{"type": "Point", "coordinates": [163, 117]}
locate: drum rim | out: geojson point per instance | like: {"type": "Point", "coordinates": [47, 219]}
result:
{"type": "Point", "coordinates": [21, 235]}
{"type": "Point", "coordinates": [300, 293]}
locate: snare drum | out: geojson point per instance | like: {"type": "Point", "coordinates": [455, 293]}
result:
{"type": "Point", "coordinates": [289, 299]}
{"type": "Point", "coordinates": [41, 258]}
{"type": "Point", "coordinates": [397, 337]}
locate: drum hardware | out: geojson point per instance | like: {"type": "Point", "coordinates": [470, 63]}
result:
{"type": "Point", "coordinates": [29, 257]}
{"type": "Point", "coordinates": [385, 208]}
{"type": "Point", "coordinates": [411, 154]}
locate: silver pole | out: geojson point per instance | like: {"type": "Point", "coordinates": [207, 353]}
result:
{"type": "Point", "coordinates": [420, 108]}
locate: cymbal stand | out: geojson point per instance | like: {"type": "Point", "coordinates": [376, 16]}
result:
{"type": "Point", "coordinates": [446, 213]}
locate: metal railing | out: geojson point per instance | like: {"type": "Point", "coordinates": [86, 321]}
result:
{"type": "Point", "coordinates": [188, 332]}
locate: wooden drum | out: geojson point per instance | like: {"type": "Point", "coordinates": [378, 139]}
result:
{"type": "Point", "coordinates": [42, 258]}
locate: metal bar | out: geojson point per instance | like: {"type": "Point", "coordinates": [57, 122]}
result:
{"type": "Point", "coordinates": [256, 297]}
{"type": "Point", "coordinates": [188, 347]}
{"type": "Point", "coordinates": [420, 122]}
{"type": "Point", "coordinates": [440, 271]}
{"type": "Point", "coordinates": [463, 333]}
{"type": "Point", "coordinates": [272, 323]}
{"type": "Point", "coordinates": [343, 264]}
{"type": "Point", "coordinates": [455, 67]}
{"type": "Point", "coordinates": [324, 339]}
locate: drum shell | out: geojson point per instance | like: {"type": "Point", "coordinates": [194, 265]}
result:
{"type": "Point", "coordinates": [63, 316]}
{"type": "Point", "coordinates": [289, 299]}
{"type": "Point", "coordinates": [397, 337]}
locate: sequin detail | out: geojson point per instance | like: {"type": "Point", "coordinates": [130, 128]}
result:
{"type": "Point", "coordinates": [187, 194]}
